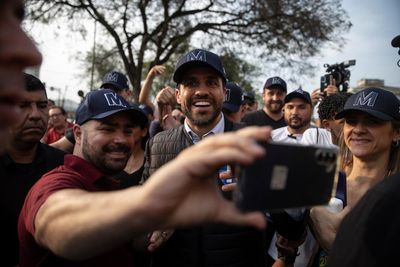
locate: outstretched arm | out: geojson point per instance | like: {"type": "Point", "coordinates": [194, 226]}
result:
{"type": "Point", "coordinates": [76, 224]}
{"type": "Point", "coordinates": [144, 96]}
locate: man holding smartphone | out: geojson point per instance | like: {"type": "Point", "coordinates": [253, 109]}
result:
{"type": "Point", "coordinates": [201, 81]}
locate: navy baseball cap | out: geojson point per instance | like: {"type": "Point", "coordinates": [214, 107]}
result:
{"type": "Point", "coordinates": [299, 93]}
{"type": "Point", "coordinates": [234, 97]}
{"type": "Point", "coordinates": [199, 57]}
{"type": "Point", "coordinates": [102, 103]}
{"type": "Point", "coordinates": [115, 78]}
{"type": "Point", "coordinates": [275, 82]}
{"type": "Point", "coordinates": [377, 102]}
{"type": "Point", "coordinates": [248, 97]}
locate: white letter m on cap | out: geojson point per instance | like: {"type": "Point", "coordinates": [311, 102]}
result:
{"type": "Point", "coordinates": [113, 100]}
{"type": "Point", "coordinates": [200, 56]}
{"type": "Point", "coordinates": [366, 100]}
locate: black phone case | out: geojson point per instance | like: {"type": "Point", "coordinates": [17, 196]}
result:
{"type": "Point", "coordinates": [289, 176]}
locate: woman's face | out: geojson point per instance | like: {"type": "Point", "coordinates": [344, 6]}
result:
{"type": "Point", "coordinates": [368, 137]}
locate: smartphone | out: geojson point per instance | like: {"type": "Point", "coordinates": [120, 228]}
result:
{"type": "Point", "coordinates": [289, 176]}
{"type": "Point", "coordinates": [227, 168]}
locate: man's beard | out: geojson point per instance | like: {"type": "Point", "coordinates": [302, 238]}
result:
{"type": "Point", "coordinates": [302, 123]}
{"type": "Point", "coordinates": [97, 157]}
{"type": "Point", "coordinates": [199, 119]}
{"type": "Point", "coordinates": [271, 106]}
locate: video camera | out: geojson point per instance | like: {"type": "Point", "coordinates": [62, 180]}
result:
{"type": "Point", "coordinates": [340, 73]}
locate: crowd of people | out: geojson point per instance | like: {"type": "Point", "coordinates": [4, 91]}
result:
{"type": "Point", "coordinates": [151, 183]}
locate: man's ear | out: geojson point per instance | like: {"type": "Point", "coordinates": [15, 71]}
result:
{"type": "Point", "coordinates": [325, 124]}
{"type": "Point", "coordinates": [77, 133]}
{"type": "Point", "coordinates": [178, 95]}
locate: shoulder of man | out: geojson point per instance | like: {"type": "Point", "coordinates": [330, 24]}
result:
{"type": "Point", "coordinates": [251, 116]}
{"type": "Point", "coordinates": [278, 132]}
{"type": "Point", "coordinates": [54, 157]}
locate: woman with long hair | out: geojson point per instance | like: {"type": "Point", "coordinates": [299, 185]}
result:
{"type": "Point", "coordinates": [370, 152]}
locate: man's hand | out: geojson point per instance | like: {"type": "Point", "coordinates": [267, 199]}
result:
{"type": "Point", "coordinates": [325, 224]}
{"type": "Point", "coordinates": [156, 70]}
{"type": "Point", "coordinates": [166, 96]}
{"type": "Point", "coordinates": [157, 238]}
{"type": "Point", "coordinates": [184, 192]}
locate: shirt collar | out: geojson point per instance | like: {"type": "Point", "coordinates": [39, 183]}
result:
{"type": "Point", "coordinates": [218, 128]}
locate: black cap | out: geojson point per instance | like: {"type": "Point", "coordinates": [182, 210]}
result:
{"type": "Point", "coordinates": [277, 82]}
{"type": "Point", "coordinates": [199, 57]}
{"type": "Point", "coordinates": [116, 79]}
{"type": "Point", "coordinates": [102, 103]}
{"type": "Point", "coordinates": [299, 93]}
{"type": "Point", "coordinates": [377, 102]}
{"type": "Point", "coordinates": [248, 97]}
{"type": "Point", "coordinates": [234, 97]}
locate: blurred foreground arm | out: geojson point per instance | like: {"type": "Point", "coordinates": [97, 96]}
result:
{"type": "Point", "coordinates": [76, 224]}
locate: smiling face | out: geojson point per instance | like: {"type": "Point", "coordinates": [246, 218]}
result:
{"type": "Point", "coordinates": [201, 94]}
{"type": "Point", "coordinates": [273, 99]}
{"type": "Point", "coordinates": [16, 53]}
{"type": "Point", "coordinates": [106, 143]}
{"type": "Point", "coordinates": [368, 137]}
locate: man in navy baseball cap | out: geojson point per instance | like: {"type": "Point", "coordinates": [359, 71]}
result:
{"type": "Point", "coordinates": [117, 82]}
{"type": "Point", "coordinates": [275, 82]}
{"type": "Point", "coordinates": [377, 102]}
{"type": "Point", "coordinates": [299, 93]}
{"type": "Point", "coordinates": [103, 103]}
{"type": "Point", "coordinates": [249, 101]}
{"type": "Point", "coordinates": [199, 57]}
{"type": "Point", "coordinates": [232, 106]}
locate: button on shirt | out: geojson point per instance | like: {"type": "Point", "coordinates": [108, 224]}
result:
{"type": "Point", "coordinates": [219, 128]}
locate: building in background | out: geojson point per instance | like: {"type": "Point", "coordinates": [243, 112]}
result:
{"type": "Point", "coordinates": [364, 83]}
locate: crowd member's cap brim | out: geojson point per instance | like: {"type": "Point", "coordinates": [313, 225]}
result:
{"type": "Point", "coordinates": [182, 69]}
{"type": "Point", "coordinates": [275, 83]}
{"type": "Point", "coordinates": [100, 104]}
{"type": "Point", "coordinates": [136, 115]}
{"type": "Point", "coordinates": [230, 107]}
{"type": "Point", "coordinates": [377, 114]}
{"type": "Point", "coordinates": [377, 102]}
{"type": "Point", "coordinates": [201, 58]}
{"type": "Point", "coordinates": [296, 95]}
{"type": "Point", "coordinates": [248, 101]}
{"type": "Point", "coordinates": [116, 85]}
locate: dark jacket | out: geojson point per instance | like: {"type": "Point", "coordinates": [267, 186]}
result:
{"type": "Point", "coordinates": [209, 245]}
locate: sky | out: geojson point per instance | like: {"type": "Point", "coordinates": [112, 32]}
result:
{"type": "Point", "coordinates": [375, 24]}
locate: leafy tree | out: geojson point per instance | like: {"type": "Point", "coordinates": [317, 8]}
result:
{"type": "Point", "coordinates": [152, 31]}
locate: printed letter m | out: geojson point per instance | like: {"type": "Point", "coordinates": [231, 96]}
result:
{"type": "Point", "coordinates": [113, 100]}
{"type": "Point", "coordinates": [366, 100]}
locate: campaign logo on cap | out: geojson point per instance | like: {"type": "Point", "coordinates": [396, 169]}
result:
{"type": "Point", "coordinates": [299, 93]}
{"type": "Point", "coordinates": [115, 78]}
{"type": "Point", "coordinates": [102, 103]}
{"type": "Point", "coordinates": [277, 82]}
{"type": "Point", "coordinates": [234, 97]}
{"type": "Point", "coordinates": [377, 102]}
{"type": "Point", "coordinates": [199, 57]}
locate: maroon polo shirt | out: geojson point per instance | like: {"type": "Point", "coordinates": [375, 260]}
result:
{"type": "Point", "coordinates": [76, 173]}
